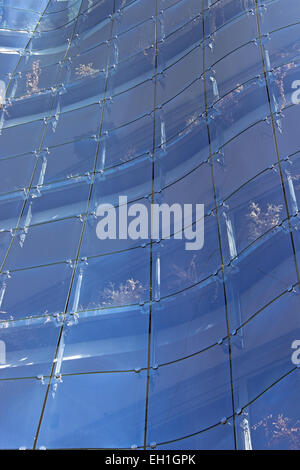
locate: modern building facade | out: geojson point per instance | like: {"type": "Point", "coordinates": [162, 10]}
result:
{"type": "Point", "coordinates": [142, 344]}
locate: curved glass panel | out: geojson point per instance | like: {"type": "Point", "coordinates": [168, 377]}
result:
{"type": "Point", "coordinates": [149, 224]}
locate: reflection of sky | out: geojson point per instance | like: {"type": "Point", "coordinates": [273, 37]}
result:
{"type": "Point", "coordinates": [101, 99]}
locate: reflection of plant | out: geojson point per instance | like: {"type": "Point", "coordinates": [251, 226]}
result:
{"type": "Point", "coordinates": [86, 70]}
{"type": "Point", "coordinates": [279, 429]}
{"type": "Point", "coordinates": [32, 78]}
{"type": "Point", "coordinates": [129, 154]}
{"type": "Point", "coordinates": [187, 275]}
{"type": "Point", "coordinates": [280, 74]}
{"type": "Point", "coordinates": [261, 221]}
{"type": "Point", "coordinates": [127, 293]}
{"type": "Point", "coordinates": [192, 120]}
{"type": "Point", "coordinates": [190, 123]}
{"type": "Point", "coordinates": [227, 104]}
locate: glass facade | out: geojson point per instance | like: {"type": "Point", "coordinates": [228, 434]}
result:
{"type": "Point", "coordinates": [129, 344]}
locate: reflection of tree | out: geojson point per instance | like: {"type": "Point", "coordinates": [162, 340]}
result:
{"type": "Point", "coordinates": [279, 429]}
{"type": "Point", "coordinates": [129, 292]}
{"type": "Point", "coordinates": [261, 221]}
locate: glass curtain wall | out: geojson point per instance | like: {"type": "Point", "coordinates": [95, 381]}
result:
{"type": "Point", "coordinates": [134, 345]}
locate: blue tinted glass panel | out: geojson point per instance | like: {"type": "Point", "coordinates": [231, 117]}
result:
{"type": "Point", "coordinates": [273, 411]}
{"type": "Point", "coordinates": [29, 347]}
{"type": "Point", "coordinates": [220, 437]}
{"type": "Point", "coordinates": [19, 424]}
{"type": "Point", "coordinates": [166, 327]}
{"type": "Point", "coordinates": [34, 292]}
{"type": "Point", "coordinates": [96, 397]}
{"type": "Point", "coordinates": [112, 340]}
{"type": "Point", "coordinates": [195, 379]}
